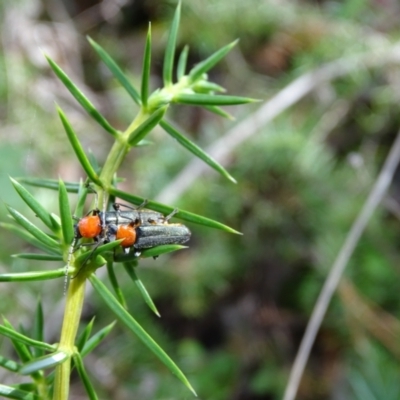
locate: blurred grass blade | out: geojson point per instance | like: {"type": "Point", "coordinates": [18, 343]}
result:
{"type": "Point", "coordinates": [38, 257]}
{"type": "Point", "coordinates": [182, 63]}
{"type": "Point", "coordinates": [116, 71]}
{"type": "Point", "coordinates": [45, 362]}
{"type": "Point", "coordinates": [10, 365]}
{"type": "Point", "coordinates": [152, 252]}
{"type": "Point", "coordinates": [23, 234]}
{"type": "Point", "coordinates": [72, 187]}
{"type": "Point", "coordinates": [81, 98]}
{"type": "Point", "coordinates": [33, 229]}
{"type": "Point", "coordinates": [65, 214]}
{"type": "Point", "coordinates": [143, 291]}
{"type": "Point", "coordinates": [96, 339]}
{"type": "Point", "coordinates": [114, 284]}
{"type": "Point", "coordinates": [134, 326]}
{"type": "Point", "coordinates": [32, 276]}
{"type": "Point", "coordinates": [84, 335]}
{"type": "Point", "coordinates": [11, 333]}
{"type": "Point", "coordinates": [170, 48]}
{"type": "Point", "coordinates": [210, 61]}
{"type": "Point", "coordinates": [35, 206]}
{"type": "Point", "coordinates": [78, 149]}
{"type": "Point", "coordinates": [146, 69]}
{"type": "Point", "coordinates": [37, 331]}
{"type": "Point", "coordinates": [9, 392]}
{"type": "Point", "coordinates": [162, 208]}
{"type": "Point", "coordinates": [211, 100]}
{"type": "Point", "coordinates": [84, 377]}
{"type": "Point", "coordinates": [144, 128]}
{"type": "Point", "coordinates": [196, 150]}
{"type": "Point", "coordinates": [219, 111]}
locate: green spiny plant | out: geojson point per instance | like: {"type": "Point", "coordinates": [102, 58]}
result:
{"type": "Point", "coordinates": [36, 356]}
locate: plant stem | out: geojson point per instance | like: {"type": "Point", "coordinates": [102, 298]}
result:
{"type": "Point", "coordinates": [118, 152]}
{"type": "Point", "coordinates": [76, 290]}
{"type": "Point", "coordinates": [73, 310]}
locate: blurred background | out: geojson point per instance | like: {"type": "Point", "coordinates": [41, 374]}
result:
{"type": "Point", "coordinates": [234, 308]}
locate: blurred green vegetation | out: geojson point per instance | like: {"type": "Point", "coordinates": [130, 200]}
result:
{"type": "Point", "coordinates": [234, 308]}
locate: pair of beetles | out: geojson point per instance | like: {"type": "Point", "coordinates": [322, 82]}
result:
{"type": "Point", "coordinates": [138, 228]}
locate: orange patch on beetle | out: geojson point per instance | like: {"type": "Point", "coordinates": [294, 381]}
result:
{"type": "Point", "coordinates": [128, 234]}
{"type": "Point", "coordinates": [90, 226]}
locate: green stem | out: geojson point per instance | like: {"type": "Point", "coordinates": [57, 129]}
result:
{"type": "Point", "coordinates": [76, 290]}
{"type": "Point", "coordinates": [115, 157]}
{"type": "Point", "coordinates": [73, 310]}
{"type": "Point", "coordinates": [118, 152]}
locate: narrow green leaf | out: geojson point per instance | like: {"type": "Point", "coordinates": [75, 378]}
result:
{"type": "Point", "coordinates": [93, 161]}
{"type": "Point", "coordinates": [14, 335]}
{"type": "Point", "coordinates": [107, 247]}
{"type": "Point", "coordinates": [144, 143]}
{"type": "Point", "coordinates": [134, 326]}
{"type": "Point", "coordinates": [146, 69]}
{"type": "Point", "coordinates": [56, 220]}
{"type": "Point", "coordinates": [84, 336]}
{"type": "Point", "coordinates": [72, 187]}
{"type": "Point", "coordinates": [10, 392]}
{"type": "Point", "coordinates": [28, 386]}
{"type": "Point", "coordinates": [26, 235]}
{"type": "Point", "coordinates": [144, 128]}
{"type": "Point", "coordinates": [65, 214]}
{"type": "Point", "coordinates": [22, 329]}
{"type": "Point", "coordinates": [38, 257]}
{"type": "Point", "coordinates": [81, 98]}
{"type": "Point", "coordinates": [209, 62]}
{"type": "Point", "coordinates": [115, 285]}
{"type": "Point", "coordinates": [96, 339]}
{"type": "Point", "coordinates": [116, 71]}
{"type": "Point", "coordinates": [162, 208]}
{"type": "Point", "coordinates": [78, 149]}
{"type": "Point", "coordinates": [219, 111]}
{"type": "Point", "coordinates": [45, 362]}
{"type": "Point", "coordinates": [92, 254]}
{"type": "Point", "coordinates": [84, 377]}
{"type": "Point", "coordinates": [18, 340]}
{"type": "Point", "coordinates": [82, 194]}
{"type": "Point", "coordinates": [143, 291]}
{"type": "Point", "coordinates": [152, 252]}
{"type": "Point", "coordinates": [211, 100]}
{"type": "Point", "coordinates": [22, 233]}
{"type": "Point", "coordinates": [203, 86]}
{"type": "Point", "coordinates": [37, 331]}
{"type": "Point", "coordinates": [33, 229]}
{"type": "Point", "coordinates": [32, 276]}
{"type": "Point", "coordinates": [35, 206]}
{"type": "Point", "coordinates": [196, 150]}
{"type": "Point", "coordinates": [182, 62]}
{"type": "Point", "coordinates": [170, 48]}
{"type": "Point", "coordinates": [9, 364]}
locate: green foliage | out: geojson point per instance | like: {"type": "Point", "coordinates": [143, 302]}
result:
{"type": "Point", "coordinates": [61, 242]}
{"type": "Point", "coordinates": [373, 376]}
{"type": "Point", "coordinates": [232, 316]}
